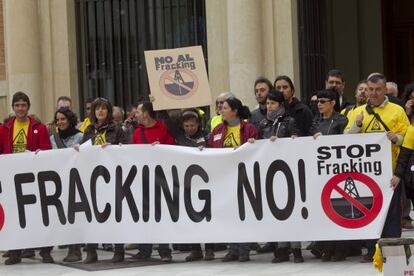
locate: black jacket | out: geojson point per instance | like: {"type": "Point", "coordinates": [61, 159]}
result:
{"type": "Point", "coordinates": [257, 116]}
{"type": "Point", "coordinates": [402, 162]}
{"type": "Point", "coordinates": [344, 104]}
{"type": "Point", "coordinates": [199, 139]}
{"type": "Point", "coordinates": [333, 125]}
{"type": "Point", "coordinates": [282, 126]}
{"type": "Point", "coordinates": [114, 134]}
{"type": "Point", "coordinates": [404, 169]}
{"type": "Point", "coordinates": [396, 100]}
{"type": "Point", "coordinates": [302, 115]}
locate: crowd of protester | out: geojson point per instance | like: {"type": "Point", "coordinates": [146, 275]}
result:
{"type": "Point", "coordinates": [376, 108]}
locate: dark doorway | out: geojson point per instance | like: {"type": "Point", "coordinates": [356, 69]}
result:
{"type": "Point", "coordinates": [398, 28]}
{"type": "Point", "coordinates": [313, 46]}
{"type": "Point", "coordinates": [112, 36]}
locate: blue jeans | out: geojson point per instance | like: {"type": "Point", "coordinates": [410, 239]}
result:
{"type": "Point", "coordinates": [392, 226]}
{"type": "Point", "coordinates": [293, 245]}
{"type": "Point", "coordinates": [146, 249]}
{"type": "Point", "coordinates": [239, 249]}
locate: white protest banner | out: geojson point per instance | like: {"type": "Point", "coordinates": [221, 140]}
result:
{"type": "Point", "coordinates": [178, 78]}
{"type": "Point", "coordinates": [334, 187]}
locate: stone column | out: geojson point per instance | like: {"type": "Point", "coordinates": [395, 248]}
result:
{"type": "Point", "coordinates": [281, 42]}
{"type": "Point", "coordinates": [58, 52]}
{"type": "Point", "coordinates": [217, 48]}
{"type": "Point", "coordinates": [245, 47]}
{"type": "Point", "coordinates": [41, 52]}
{"type": "Point", "coordinates": [286, 39]}
{"type": "Point", "coordinates": [3, 80]}
{"type": "Point", "coordinates": [247, 39]}
{"type": "Point", "coordinates": [234, 38]}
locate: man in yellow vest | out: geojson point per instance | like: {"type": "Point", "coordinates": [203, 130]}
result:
{"type": "Point", "coordinates": [381, 115]}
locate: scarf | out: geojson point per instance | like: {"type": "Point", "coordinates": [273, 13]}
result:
{"type": "Point", "coordinates": [273, 115]}
{"type": "Point", "coordinates": [63, 134]}
{"type": "Point", "coordinates": [102, 127]}
{"type": "Point", "coordinates": [234, 123]}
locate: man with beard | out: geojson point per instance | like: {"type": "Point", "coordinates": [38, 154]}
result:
{"type": "Point", "coordinates": [294, 107]}
{"type": "Point", "coordinates": [262, 86]}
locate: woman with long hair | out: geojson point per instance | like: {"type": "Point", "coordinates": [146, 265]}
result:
{"type": "Point", "coordinates": [232, 133]}
{"type": "Point", "coordinates": [103, 131]}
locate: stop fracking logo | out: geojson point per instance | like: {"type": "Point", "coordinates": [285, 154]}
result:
{"type": "Point", "coordinates": [351, 209]}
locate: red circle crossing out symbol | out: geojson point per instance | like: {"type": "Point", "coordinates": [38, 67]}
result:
{"type": "Point", "coordinates": [1, 217]}
{"type": "Point", "coordinates": [179, 84]}
{"type": "Point", "coordinates": [334, 208]}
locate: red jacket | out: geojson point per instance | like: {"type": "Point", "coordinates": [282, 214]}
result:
{"type": "Point", "coordinates": [158, 132]}
{"type": "Point", "coordinates": [247, 131]}
{"type": "Point", "coordinates": [1, 140]}
{"type": "Point", "coordinates": [37, 136]}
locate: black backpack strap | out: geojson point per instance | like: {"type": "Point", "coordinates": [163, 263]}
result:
{"type": "Point", "coordinates": [143, 138]}
{"type": "Point", "coordinates": [59, 142]}
{"type": "Point", "coordinates": [347, 109]}
{"type": "Point", "coordinates": [370, 110]}
{"type": "Point", "coordinates": [381, 121]}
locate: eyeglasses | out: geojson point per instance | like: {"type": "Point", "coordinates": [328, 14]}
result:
{"type": "Point", "coordinates": [323, 101]}
{"type": "Point", "coordinates": [219, 102]}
